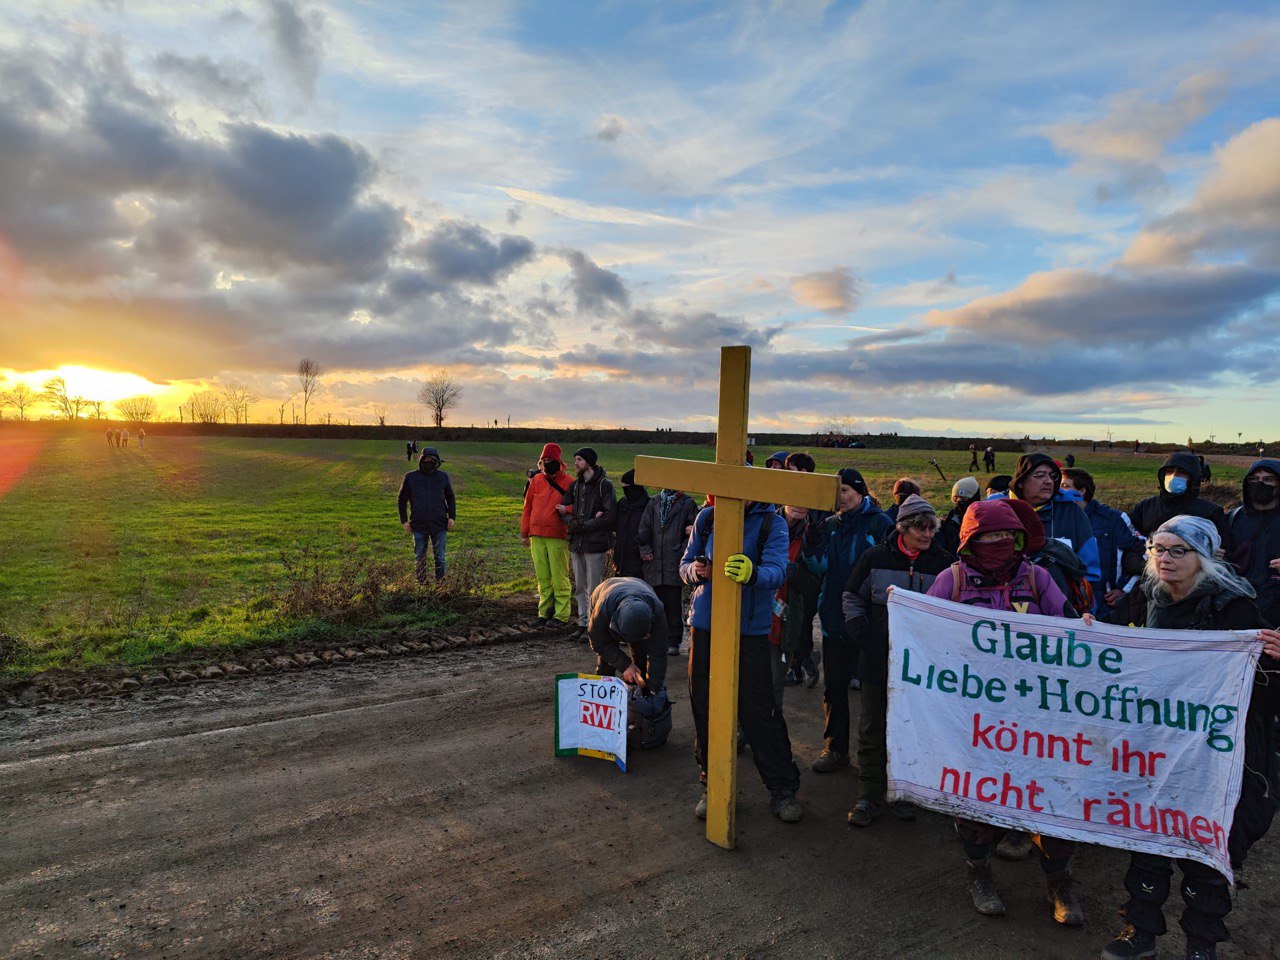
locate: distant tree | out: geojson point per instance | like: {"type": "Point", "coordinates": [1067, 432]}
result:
{"type": "Point", "coordinates": [205, 407]}
{"type": "Point", "coordinates": [137, 409]}
{"type": "Point", "coordinates": [20, 398]}
{"type": "Point", "coordinates": [381, 413]}
{"type": "Point", "coordinates": [97, 406]}
{"type": "Point", "coordinates": [55, 394]}
{"type": "Point", "coordinates": [309, 380]}
{"type": "Point", "coordinates": [439, 394]}
{"type": "Point", "coordinates": [238, 398]}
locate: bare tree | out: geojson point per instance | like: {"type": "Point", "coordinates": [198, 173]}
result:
{"type": "Point", "coordinates": [381, 413]}
{"type": "Point", "coordinates": [97, 407]}
{"type": "Point", "coordinates": [206, 407]}
{"type": "Point", "coordinates": [55, 394]}
{"type": "Point", "coordinates": [439, 394]}
{"type": "Point", "coordinates": [238, 398]}
{"type": "Point", "coordinates": [20, 398]}
{"type": "Point", "coordinates": [309, 380]}
{"type": "Point", "coordinates": [137, 409]}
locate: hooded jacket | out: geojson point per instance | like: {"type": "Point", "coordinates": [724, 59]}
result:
{"type": "Point", "coordinates": [541, 498]}
{"type": "Point", "coordinates": [629, 511]}
{"type": "Point", "coordinates": [1150, 513]}
{"type": "Point", "coordinates": [428, 497]}
{"type": "Point", "coordinates": [1061, 515]}
{"type": "Point", "coordinates": [834, 551]}
{"type": "Point", "coordinates": [665, 542]}
{"type": "Point", "coordinates": [587, 532]}
{"type": "Point", "coordinates": [769, 573]}
{"type": "Point", "coordinates": [1253, 541]}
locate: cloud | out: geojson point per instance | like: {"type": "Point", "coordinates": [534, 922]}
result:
{"type": "Point", "coordinates": [589, 212]}
{"type": "Point", "coordinates": [832, 291]}
{"type": "Point", "coordinates": [927, 293]}
{"type": "Point", "coordinates": [595, 290]}
{"type": "Point", "coordinates": [297, 36]}
{"type": "Point", "coordinates": [458, 252]}
{"type": "Point", "coordinates": [234, 85]}
{"type": "Point", "coordinates": [610, 128]}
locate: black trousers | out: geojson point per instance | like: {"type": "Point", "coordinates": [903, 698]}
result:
{"type": "Point", "coordinates": [671, 598]}
{"type": "Point", "coordinates": [1204, 891]}
{"type": "Point", "coordinates": [759, 713]}
{"type": "Point", "coordinates": [651, 659]}
{"type": "Point", "coordinates": [839, 660]}
{"type": "Point", "coordinates": [804, 649]}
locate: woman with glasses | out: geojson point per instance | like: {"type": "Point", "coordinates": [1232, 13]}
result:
{"type": "Point", "coordinates": [1188, 589]}
{"type": "Point", "coordinates": [993, 572]}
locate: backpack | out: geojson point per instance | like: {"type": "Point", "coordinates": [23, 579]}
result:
{"type": "Point", "coordinates": [648, 719]}
{"type": "Point", "coordinates": [957, 577]}
{"type": "Point", "coordinates": [1068, 572]}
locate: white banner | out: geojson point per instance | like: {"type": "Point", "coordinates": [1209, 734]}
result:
{"type": "Point", "coordinates": [591, 717]}
{"type": "Point", "coordinates": [1129, 738]}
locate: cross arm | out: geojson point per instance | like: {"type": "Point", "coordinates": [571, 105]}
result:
{"type": "Point", "coordinates": [817, 491]}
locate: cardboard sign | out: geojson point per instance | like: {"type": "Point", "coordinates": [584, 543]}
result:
{"type": "Point", "coordinates": [1124, 737]}
{"type": "Point", "coordinates": [591, 717]}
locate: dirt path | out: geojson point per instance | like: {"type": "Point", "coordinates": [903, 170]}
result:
{"type": "Point", "coordinates": [413, 809]}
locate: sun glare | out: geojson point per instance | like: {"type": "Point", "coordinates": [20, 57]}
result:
{"type": "Point", "coordinates": [104, 385]}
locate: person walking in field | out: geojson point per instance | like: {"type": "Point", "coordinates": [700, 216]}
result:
{"type": "Point", "coordinates": [124, 438]}
{"type": "Point", "coordinates": [427, 510]}
{"type": "Point", "coordinates": [111, 437]}
{"type": "Point", "coordinates": [590, 511]}
{"type": "Point", "coordinates": [142, 439]}
{"type": "Point", "coordinates": [973, 456]}
{"type": "Point", "coordinates": [543, 531]}
{"type": "Point", "coordinates": [408, 450]}
{"type": "Point", "coordinates": [989, 460]}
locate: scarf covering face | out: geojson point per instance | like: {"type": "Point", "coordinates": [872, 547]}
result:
{"type": "Point", "coordinates": [997, 558]}
{"type": "Point", "coordinates": [665, 499]}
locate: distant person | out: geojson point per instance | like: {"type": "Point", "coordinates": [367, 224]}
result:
{"type": "Point", "coordinates": [142, 439]}
{"type": "Point", "coordinates": [589, 511]}
{"type": "Point", "coordinates": [751, 459]}
{"type": "Point", "coordinates": [664, 530]}
{"type": "Point", "coordinates": [902, 488]}
{"type": "Point", "coordinates": [629, 510]}
{"type": "Point", "coordinates": [124, 438]}
{"type": "Point", "coordinates": [973, 456]}
{"type": "Point", "coordinates": [111, 438]}
{"type": "Point", "coordinates": [1262, 449]}
{"type": "Point", "coordinates": [427, 510]}
{"type": "Point", "coordinates": [998, 486]}
{"type": "Point", "coordinates": [414, 446]}
{"type": "Point", "coordinates": [777, 460]}
{"type": "Point", "coordinates": [543, 531]}
{"type": "Point", "coordinates": [989, 460]}
{"type": "Point", "coordinates": [1206, 473]}
{"type": "Point", "coordinates": [1253, 535]}
{"type": "Point", "coordinates": [1071, 459]}
{"type": "Point", "coordinates": [626, 613]}
{"type": "Point", "coordinates": [408, 450]}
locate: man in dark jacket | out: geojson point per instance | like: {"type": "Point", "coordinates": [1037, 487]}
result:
{"type": "Point", "coordinates": [1253, 540]}
{"type": "Point", "coordinates": [629, 511]}
{"type": "Point", "coordinates": [664, 530]}
{"type": "Point", "coordinates": [590, 511]}
{"type": "Point", "coordinates": [625, 610]}
{"type": "Point", "coordinates": [908, 559]}
{"type": "Point", "coordinates": [431, 509]}
{"type": "Point", "coordinates": [1178, 481]}
{"type": "Point", "coordinates": [841, 540]}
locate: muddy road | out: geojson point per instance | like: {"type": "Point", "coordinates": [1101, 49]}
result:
{"type": "Point", "coordinates": [414, 809]}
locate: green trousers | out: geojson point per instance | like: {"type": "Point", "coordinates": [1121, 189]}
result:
{"type": "Point", "coordinates": [873, 751]}
{"type": "Point", "coordinates": [551, 567]}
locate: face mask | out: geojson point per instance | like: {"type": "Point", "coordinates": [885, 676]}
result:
{"type": "Point", "coordinates": [1175, 485]}
{"type": "Point", "coordinates": [428, 466]}
{"type": "Point", "coordinates": [995, 558]}
{"type": "Point", "coordinates": [1258, 492]}
{"type": "Point", "coordinates": [1075, 496]}
{"type": "Point", "coordinates": [551, 467]}
{"type": "Point", "coordinates": [633, 492]}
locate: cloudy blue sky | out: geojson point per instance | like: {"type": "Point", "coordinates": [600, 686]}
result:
{"type": "Point", "coordinates": [930, 217]}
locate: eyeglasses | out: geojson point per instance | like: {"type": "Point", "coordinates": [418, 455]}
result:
{"type": "Point", "coordinates": [1176, 552]}
{"type": "Point", "coordinates": [1041, 475]}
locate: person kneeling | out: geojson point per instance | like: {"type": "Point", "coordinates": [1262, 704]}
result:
{"type": "Point", "coordinates": [627, 611]}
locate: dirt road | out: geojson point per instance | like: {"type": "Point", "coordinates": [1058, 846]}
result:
{"type": "Point", "coordinates": [414, 809]}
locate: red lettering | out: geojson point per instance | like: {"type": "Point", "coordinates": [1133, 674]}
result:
{"type": "Point", "coordinates": [978, 791]}
{"type": "Point", "coordinates": [1202, 829]}
{"type": "Point", "coordinates": [982, 735]}
{"type": "Point", "coordinates": [599, 715]}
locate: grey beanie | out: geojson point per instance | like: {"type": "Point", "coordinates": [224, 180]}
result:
{"type": "Point", "coordinates": [966, 488]}
{"type": "Point", "coordinates": [1196, 532]}
{"type": "Point", "coordinates": [633, 620]}
{"type": "Point", "coordinates": [914, 506]}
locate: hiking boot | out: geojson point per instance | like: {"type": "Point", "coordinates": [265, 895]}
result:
{"type": "Point", "coordinates": [863, 812]}
{"type": "Point", "coordinates": [904, 809]}
{"type": "Point", "coordinates": [700, 811]}
{"type": "Point", "coordinates": [810, 677]}
{"type": "Point", "coordinates": [1014, 845]}
{"type": "Point", "coordinates": [540, 622]}
{"type": "Point", "coordinates": [1132, 944]}
{"type": "Point", "coordinates": [1208, 951]}
{"type": "Point", "coordinates": [1064, 899]}
{"type": "Point", "coordinates": [786, 807]}
{"type": "Point", "coordinates": [830, 761]}
{"type": "Point", "coordinates": [794, 677]}
{"type": "Point", "coordinates": [982, 888]}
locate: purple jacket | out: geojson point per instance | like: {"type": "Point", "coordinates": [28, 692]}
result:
{"type": "Point", "coordinates": [978, 590]}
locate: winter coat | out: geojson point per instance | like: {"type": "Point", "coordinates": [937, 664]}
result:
{"type": "Point", "coordinates": [768, 574]}
{"type": "Point", "coordinates": [665, 542]}
{"type": "Point", "coordinates": [979, 590]}
{"type": "Point", "coordinates": [1231, 611]}
{"type": "Point", "coordinates": [541, 498]}
{"type": "Point", "coordinates": [1149, 514]}
{"type": "Point", "coordinates": [605, 600]}
{"type": "Point", "coordinates": [429, 500]}
{"type": "Point", "coordinates": [587, 532]}
{"type": "Point", "coordinates": [1064, 520]}
{"type": "Point", "coordinates": [866, 598]}
{"type": "Point", "coordinates": [948, 537]}
{"type": "Point", "coordinates": [626, 547]}
{"type": "Point", "coordinates": [1253, 540]}
{"type": "Point", "coordinates": [1116, 537]}
{"type": "Point", "coordinates": [841, 540]}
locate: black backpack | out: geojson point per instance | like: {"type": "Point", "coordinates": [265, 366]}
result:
{"type": "Point", "coordinates": [1068, 572]}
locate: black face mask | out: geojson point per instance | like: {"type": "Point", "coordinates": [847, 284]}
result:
{"type": "Point", "coordinates": [550, 467]}
{"type": "Point", "coordinates": [1259, 493]}
{"type": "Point", "coordinates": [428, 466]}
{"type": "Point", "coordinates": [633, 492]}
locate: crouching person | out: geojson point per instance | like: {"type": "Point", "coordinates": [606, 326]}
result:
{"type": "Point", "coordinates": [761, 568]}
{"type": "Point", "coordinates": [625, 611]}
{"type": "Point", "coordinates": [910, 558]}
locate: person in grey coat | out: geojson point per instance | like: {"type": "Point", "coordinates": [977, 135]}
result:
{"type": "Point", "coordinates": [664, 530]}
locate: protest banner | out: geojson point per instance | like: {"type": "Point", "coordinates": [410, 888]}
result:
{"type": "Point", "coordinates": [591, 717]}
{"type": "Point", "coordinates": [1124, 737]}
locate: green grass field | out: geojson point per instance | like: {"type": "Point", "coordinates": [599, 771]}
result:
{"type": "Point", "coordinates": [119, 556]}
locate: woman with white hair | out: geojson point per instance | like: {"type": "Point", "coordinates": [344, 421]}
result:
{"type": "Point", "coordinates": [1188, 589]}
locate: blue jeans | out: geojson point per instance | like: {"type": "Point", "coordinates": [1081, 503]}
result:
{"type": "Point", "coordinates": [420, 552]}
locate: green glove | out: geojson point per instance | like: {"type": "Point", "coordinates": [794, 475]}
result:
{"type": "Point", "coordinates": [739, 567]}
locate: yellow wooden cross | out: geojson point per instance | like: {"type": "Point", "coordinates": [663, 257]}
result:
{"type": "Point", "coordinates": [732, 484]}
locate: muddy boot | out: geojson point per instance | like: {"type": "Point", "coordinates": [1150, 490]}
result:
{"type": "Point", "coordinates": [1132, 944]}
{"type": "Point", "coordinates": [1064, 899]}
{"type": "Point", "coordinates": [982, 888]}
{"type": "Point", "coordinates": [700, 811]}
{"type": "Point", "coordinates": [830, 760]}
{"type": "Point", "coordinates": [1014, 845]}
{"type": "Point", "coordinates": [786, 807]}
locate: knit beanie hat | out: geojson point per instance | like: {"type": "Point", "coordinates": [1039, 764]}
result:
{"type": "Point", "coordinates": [552, 452]}
{"type": "Point", "coordinates": [587, 454]}
{"type": "Point", "coordinates": [632, 620]}
{"type": "Point", "coordinates": [628, 478]}
{"type": "Point", "coordinates": [966, 488]}
{"type": "Point", "coordinates": [1196, 532]}
{"type": "Point", "coordinates": [850, 477]}
{"type": "Point", "coordinates": [780, 457]}
{"type": "Point", "coordinates": [914, 506]}
{"type": "Point", "coordinates": [1027, 463]}
{"type": "Point", "coordinates": [999, 483]}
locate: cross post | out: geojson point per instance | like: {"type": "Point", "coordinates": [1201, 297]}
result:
{"type": "Point", "coordinates": [733, 485]}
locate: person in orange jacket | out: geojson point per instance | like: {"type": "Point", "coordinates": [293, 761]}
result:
{"type": "Point", "coordinates": [543, 531]}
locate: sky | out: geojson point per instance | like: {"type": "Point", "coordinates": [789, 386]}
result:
{"type": "Point", "coordinates": [941, 218]}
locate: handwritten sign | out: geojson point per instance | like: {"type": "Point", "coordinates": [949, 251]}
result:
{"type": "Point", "coordinates": [591, 717]}
{"type": "Point", "coordinates": [1123, 737]}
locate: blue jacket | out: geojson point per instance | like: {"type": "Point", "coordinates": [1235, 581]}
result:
{"type": "Point", "coordinates": [1064, 520]}
{"type": "Point", "coordinates": [769, 574]}
{"type": "Point", "coordinates": [840, 541]}
{"type": "Point", "coordinates": [1116, 536]}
